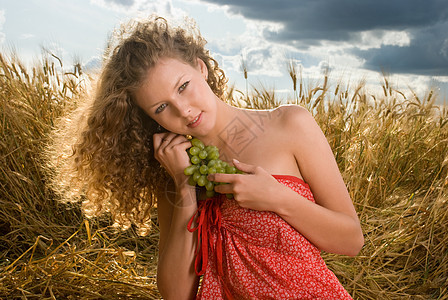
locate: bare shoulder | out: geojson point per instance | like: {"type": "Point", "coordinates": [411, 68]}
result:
{"type": "Point", "coordinates": [298, 131]}
{"type": "Point", "coordinates": [293, 118]}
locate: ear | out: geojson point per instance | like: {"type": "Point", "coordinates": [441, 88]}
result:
{"type": "Point", "coordinates": [203, 68]}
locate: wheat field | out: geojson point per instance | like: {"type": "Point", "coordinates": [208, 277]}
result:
{"type": "Point", "coordinates": [391, 150]}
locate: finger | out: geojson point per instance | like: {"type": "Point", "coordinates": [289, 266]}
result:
{"type": "Point", "coordinates": [179, 138]}
{"type": "Point", "coordinates": [224, 188]}
{"type": "Point", "coordinates": [222, 177]}
{"type": "Point", "coordinates": [159, 143]}
{"type": "Point", "coordinates": [175, 141]}
{"type": "Point", "coordinates": [246, 168]}
{"type": "Point", "coordinates": [168, 137]}
{"type": "Point", "coordinates": [162, 138]}
{"type": "Point", "coordinates": [157, 140]}
{"type": "Point", "coordinates": [182, 145]}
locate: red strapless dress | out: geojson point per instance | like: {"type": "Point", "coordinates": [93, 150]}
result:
{"type": "Point", "coordinates": [248, 254]}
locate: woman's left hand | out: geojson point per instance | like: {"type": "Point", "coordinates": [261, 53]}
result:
{"type": "Point", "coordinates": [254, 190]}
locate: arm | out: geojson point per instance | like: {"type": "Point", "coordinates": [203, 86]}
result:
{"type": "Point", "coordinates": [335, 231]}
{"type": "Point", "coordinates": [331, 223]}
{"type": "Point", "coordinates": [176, 278]}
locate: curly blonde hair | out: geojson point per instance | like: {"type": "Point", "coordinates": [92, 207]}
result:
{"type": "Point", "coordinates": [111, 167]}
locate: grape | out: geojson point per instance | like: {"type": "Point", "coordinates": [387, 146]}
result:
{"type": "Point", "coordinates": [197, 143]}
{"type": "Point", "coordinates": [203, 169]}
{"type": "Point", "coordinates": [191, 181]}
{"type": "Point", "coordinates": [214, 154]}
{"type": "Point", "coordinates": [230, 170]}
{"type": "Point", "coordinates": [209, 186]}
{"type": "Point", "coordinates": [194, 150]}
{"type": "Point", "coordinates": [195, 160]}
{"type": "Point", "coordinates": [196, 176]}
{"type": "Point", "coordinates": [202, 180]}
{"type": "Point", "coordinates": [202, 154]}
{"type": "Point", "coordinates": [212, 163]}
{"type": "Point", "coordinates": [190, 169]}
{"type": "Point", "coordinates": [205, 160]}
{"type": "Point", "coordinates": [220, 170]}
{"type": "Point", "coordinates": [209, 194]}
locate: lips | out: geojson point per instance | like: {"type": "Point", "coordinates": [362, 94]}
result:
{"type": "Point", "coordinates": [195, 122]}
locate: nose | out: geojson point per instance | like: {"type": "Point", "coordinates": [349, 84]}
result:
{"type": "Point", "coordinates": [184, 109]}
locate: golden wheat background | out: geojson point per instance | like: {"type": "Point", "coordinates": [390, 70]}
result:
{"type": "Point", "coordinates": [391, 150]}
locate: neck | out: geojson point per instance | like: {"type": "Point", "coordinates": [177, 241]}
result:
{"type": "Point", "coordinates": [232, 129]}
{"type": "Point", "coordinates": [224, 116]}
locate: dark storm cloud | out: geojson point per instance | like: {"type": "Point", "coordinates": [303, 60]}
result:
{"type": "Point", "coordinates": [307, 23]}
{"type": "Point", "coordinates": [426, 55]}
{"type": "Point", "coordinates": [336, 20]}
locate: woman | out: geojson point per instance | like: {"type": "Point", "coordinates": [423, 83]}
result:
{"type": "Point", "coordinates": [159, 85]}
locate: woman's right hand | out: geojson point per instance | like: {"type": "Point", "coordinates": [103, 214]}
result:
{"type": "Point", "coordinates": [170, 151]}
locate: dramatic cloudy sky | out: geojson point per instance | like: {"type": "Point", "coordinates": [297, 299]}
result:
{"type": "Point", "coordinates": [355, 39]}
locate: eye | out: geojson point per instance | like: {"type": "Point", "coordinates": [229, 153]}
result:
{"type": "Point", "coordinates": [161, 108]}
{"type": "Point", "coordinates": [183, 86]}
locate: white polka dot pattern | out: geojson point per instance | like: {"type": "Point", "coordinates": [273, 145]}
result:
{"type": "Point", "coordinates": [263, 257]}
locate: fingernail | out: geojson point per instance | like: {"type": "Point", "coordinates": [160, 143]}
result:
{"type": "Point", "coordinates": [236, 160]}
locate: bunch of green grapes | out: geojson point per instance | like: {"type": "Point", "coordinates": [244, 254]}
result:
{"type": "Point", "coordinates": [205, 160]}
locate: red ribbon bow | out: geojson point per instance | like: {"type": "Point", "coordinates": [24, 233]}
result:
{"type": "Point", "coordinates": [207, 216]}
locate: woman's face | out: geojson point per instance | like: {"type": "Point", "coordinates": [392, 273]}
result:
{"type": "Point", "coordinates": [177, 96]}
